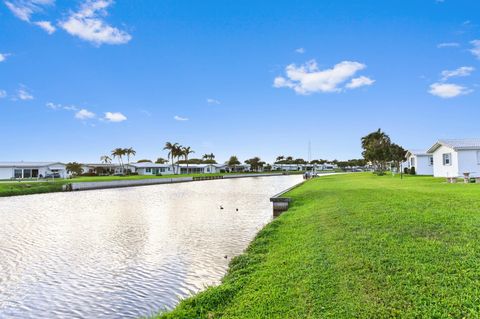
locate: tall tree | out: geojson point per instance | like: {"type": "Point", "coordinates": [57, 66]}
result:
{"type": "Point", "coordinates": [172, 151]}
{"type": "Point", "coordinates": [119, 153]}
{"type": "Point", "coordinates": [129, 152]}
{"type": "Point", "coordinates": [74, 168]}
{"type": "Point", "coordinates": [233, 162]}
{"type": "Point", "coordinates": [161, 160]}
{"type": "Point", "coordinates": [187, 150]}
{"type": "Point", "coordinates": [255, 163]}
{"type": "Point", "coordinates": [376, 149]}
{"type": "Point", "coordinates": [398, 155]}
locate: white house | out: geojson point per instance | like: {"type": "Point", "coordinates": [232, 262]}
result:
{"type": "Point", "coordinates": [453, 158]}
{"type": "Point", "coordinates": [102, 169]}
{"type": "Point", "coordinates": [421, 160]}
{"type": "Point", "coordinates": [25, 170]}
{"type": "Point", "coordinates": [147, 168]}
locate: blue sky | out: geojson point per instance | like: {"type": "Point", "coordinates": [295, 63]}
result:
{"type": "Point", "coordinates": [250, 78]}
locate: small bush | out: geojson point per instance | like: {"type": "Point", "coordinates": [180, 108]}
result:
{"type": "Point", "coordinates": [406, 170]}
{"type": "Point", "coordinates": [412, 171]}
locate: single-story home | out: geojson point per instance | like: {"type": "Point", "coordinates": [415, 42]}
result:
{"type": "Point", "coordinates": [147, 168]}
{"type": "Point", "coordinates": [454, 157]}
{"type": "Point", "coordinates": [303, 167]}
{"type": "Point", "coordinates": [421, 161]}
{"type": "Point", "coordinates": [103, 168]}
{"type": "Point", "coordinates": [27, 170]}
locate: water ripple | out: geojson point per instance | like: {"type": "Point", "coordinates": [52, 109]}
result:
{"type": "Point", "coordinates": [125, 253]}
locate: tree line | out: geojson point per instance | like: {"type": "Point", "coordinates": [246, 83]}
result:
{"type": "Point", "coordinates": [379, 150]}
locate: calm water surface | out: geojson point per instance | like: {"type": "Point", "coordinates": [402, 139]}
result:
{"type": "Point", "coordinates": [125, 253]}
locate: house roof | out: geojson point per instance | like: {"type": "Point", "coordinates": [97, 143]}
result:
{"type": "Point", "coordinates": [457, 144]}
{"type": "Point", "coordinates": [28, 164]}
{"type": "Point", "coordinates": [418, 152]}
{"type": "Point", "coordinates": [149, 165]}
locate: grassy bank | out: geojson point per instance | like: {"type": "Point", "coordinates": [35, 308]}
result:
{"type": "Point", "coordinates": [358, 246]}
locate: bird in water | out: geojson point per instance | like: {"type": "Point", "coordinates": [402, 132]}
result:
{"type": "Point", "coordinates": [221, 207]}
{"type": "Point", "coordinates": [225, 256]}
{"type": "Point", "coordinates": [236, 209]}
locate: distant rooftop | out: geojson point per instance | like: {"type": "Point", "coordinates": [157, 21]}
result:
{"type": "Point", "coordinates": [418, 152]}
{"type": "Point", "coordinates": [27, 164]}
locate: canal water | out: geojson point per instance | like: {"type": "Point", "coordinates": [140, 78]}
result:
{"type": "Point", "coordinates": [128, 252]}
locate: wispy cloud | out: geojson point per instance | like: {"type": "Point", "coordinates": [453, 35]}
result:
{"type": "Point", "coordinates": [460, 72]}
{"type": "Point", "coordinates": [448, 45]}
{"type": "Point", "coordinates": [54, 106]}
{"type": "Point", "coordinates": [84, 114]}
{"type": "Point", "coordinates": [308, 78]}
{"type": "Point", "coordinates": [179, 118]}
{"type": "Point", "coordinates": [114, 117]}
{"type": "Point", "coordinates": [213, 101]}
{"type": "Point", "coordinates": [476, 48]}
{"type": "Point", "coordinates": [300, 50]}
{"type": "Point", "coordinates": [46, 25]}
{"type": "Point", "coordinates": [3, 94]}
{"type": "Point", "coordinates": [3, 56]}
{"type": "Point", "coordinates": [24, 9]}
{"type": "Point", "coordinates": [88, 24]}
{"type": "Point", "coordinates": [359, 82]}
{"type": "Point", "coordinates": [447, 91]}
{"type": "Point", "coordinates": [23, 94]}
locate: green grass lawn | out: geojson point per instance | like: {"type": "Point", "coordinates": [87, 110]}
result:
{"type": "Point", "coordinates": [358, 246]}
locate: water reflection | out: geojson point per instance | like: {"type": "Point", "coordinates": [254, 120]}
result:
{"type": "Point", "coordinates": [125, 253]}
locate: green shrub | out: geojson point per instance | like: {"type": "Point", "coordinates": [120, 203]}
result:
{"type": "Point", "coordinates": [412, 170]}
{"type": "Point", "coordinates": [406, 170]}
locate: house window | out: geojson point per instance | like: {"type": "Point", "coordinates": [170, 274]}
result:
{"type": "Point", "coordinates": [27, 173]}
{"type": "Point", "coordinates": [148, 170]}
{"type": "Point", "coordinates": [430, 158]}
{"type": "Point", "coordinates": [17, 173]}
{"type": "Point", "coordinates": [447, 159]}
{"type": "Point", "coordinates": [412, 161]}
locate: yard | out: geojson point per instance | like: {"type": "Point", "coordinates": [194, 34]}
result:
{"type": "Point", "coordinates": [358, 246]}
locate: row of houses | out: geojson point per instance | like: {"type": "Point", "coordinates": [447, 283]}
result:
{"type": "Point", "coordinates": [32, 170]}
{"type": "Point", "coordinates": [447, 158]}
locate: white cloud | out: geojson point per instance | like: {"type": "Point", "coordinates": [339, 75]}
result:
{"type": "Point", "coordinates": [53, 106]}
{"type": "Point", "coordinates": [448, 45]}
{"type": "Point", "coordinates": [24, 9]}
{"type": "Point", "coordinates": [213, 101]}
{"type": "Point", "coordinates": [84, 114]}
{"type": "Point", "coordinates": [179, 118]}
{"type": "Point", "coordinates": [308, 78]}
{"type": "Point", "coordinates": [46, 25]}
{"type": "Point", "coordinates": [3, 56]}
{"type": "Point", "coordinates": [476, 48]}
{"type": "Point", "coordinates": [88, 24]}
{"type": "Point", "coordinates": [300, 50]}
{"type": "Point", "coordinates": [462, 71]}
{"type": "Point", "coordinates": [114, 117]}
{"type": "Point", "coordinates": [446, 90]}
{"type": "Point", "coordinates": [3, 94]}
{"type": "Point", "coordinates": [24, 95]}
{"type": "Point", "coordinates": [359, 82]}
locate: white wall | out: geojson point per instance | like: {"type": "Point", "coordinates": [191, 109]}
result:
{"type": "Point", "coordinates": [6, 172]}
{"type": "Point", "coordinates": [440, 170]}
{"type": "Point", "coordinates": [468, 162]}
{"type": "Point", "coordinates": [423, 166]}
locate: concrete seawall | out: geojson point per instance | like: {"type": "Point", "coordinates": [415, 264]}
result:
{"type": "Point", "coordinates": [153, 181]}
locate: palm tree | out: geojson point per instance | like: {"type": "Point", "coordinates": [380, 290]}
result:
{"type": "Point", "coordinates": [105, 159]}
{"type": "Point", "coordinates": [129, 152]}
{"type": "Point", "coordinates": [119, 153]}
{"type": "Point", "coordinates": [172, 149]}
{"type": "Point", "coordinates": [185, 152]}
{"type": "Point", "coordinates": [280, 158]}
{"type": "Point", "coordinates": [205, 156]}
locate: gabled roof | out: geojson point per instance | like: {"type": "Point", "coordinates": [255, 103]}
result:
{"type": "Point", "coordinates": [457, 144]}
{"type": "Point", "coordinates": [28, 164]}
